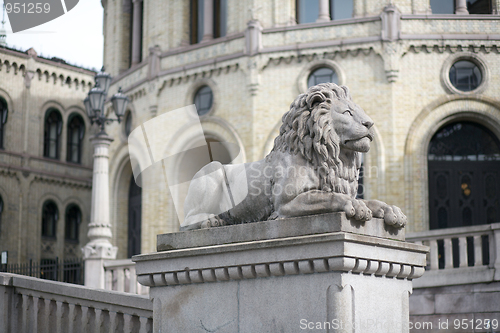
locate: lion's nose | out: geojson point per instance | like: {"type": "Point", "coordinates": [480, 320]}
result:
{"type": "Point", "coordinates": [368, 123]}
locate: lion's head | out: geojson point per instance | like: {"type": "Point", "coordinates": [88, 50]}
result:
{"type": "Point", "coordinates": [329, 130]}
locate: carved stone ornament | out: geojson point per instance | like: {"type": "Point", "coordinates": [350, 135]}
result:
{"type": "Point", "coordinates": [313, 168]}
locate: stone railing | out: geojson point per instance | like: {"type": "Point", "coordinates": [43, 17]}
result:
{"type": "Point", "coordinates": [119, 275]}
{"type": "Point", "coordinates": [29, 304]}
{"type": "Point", "coordinates": [460, 255]}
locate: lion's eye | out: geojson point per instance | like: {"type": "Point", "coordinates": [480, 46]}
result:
{"type": "Point", "coordinates": [348, 112]}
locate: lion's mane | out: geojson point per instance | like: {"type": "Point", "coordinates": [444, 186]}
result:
{"type": "Point", "coordinates": [307, 129]}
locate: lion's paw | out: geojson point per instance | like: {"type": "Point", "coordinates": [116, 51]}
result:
{"type": "Point", "coordinates": [362, 212]}
{"type": "Point", "coordinates": [213, 221]}
{"type": "Point", "coordinates": [394, 216]}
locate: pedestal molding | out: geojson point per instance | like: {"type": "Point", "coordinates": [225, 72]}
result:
{"type": "Point", "coordinates": [271, 269]}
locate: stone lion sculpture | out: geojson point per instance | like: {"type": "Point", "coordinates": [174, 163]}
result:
{"type": "Point", "coordinates": [313, 168]}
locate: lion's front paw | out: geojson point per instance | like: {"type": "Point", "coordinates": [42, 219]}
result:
{"type": "Point", "coordinates": [394, 216]}
{"type": "Point", "coordinates": [362, 212]}
{"type": "Point", "coordinates": [213, 221]}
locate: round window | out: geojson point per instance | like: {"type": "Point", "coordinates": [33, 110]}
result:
{"type": "Point", "coordinates": [322, 75]}
{"type": "Point", "coordinates": [203, 100]}
{"type": "Point", "coordinates": [465, 75]}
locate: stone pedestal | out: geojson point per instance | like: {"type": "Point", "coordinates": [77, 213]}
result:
{"type": "Point", "coordinates": [323, 272]}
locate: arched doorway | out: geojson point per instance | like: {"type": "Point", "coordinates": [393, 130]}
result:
{"type": "Point", "coordinates": [464, 176]}
{"type": "Point", "coordinates": [134, 218]}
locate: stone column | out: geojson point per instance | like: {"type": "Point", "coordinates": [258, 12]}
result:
{"type": "Point", "coordinates": [136, 32]}
{"type": "Point", "coordinates": [461, 7]}
{"type": "Point", "coordinates": [324, 11]}
{"type": "Point", "coordinates": [208, 20]}
{"type": "Point", "coordinates": [99, 247]}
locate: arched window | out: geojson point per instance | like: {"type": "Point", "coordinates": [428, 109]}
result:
{"type": "Point", "coordinates": [322, 75]}
{"type": "Point", "coordinates": [52, 133]}
{"type": "Point", "coordinates": [134, 218]}
{"type": "Point", "coordinates": [479, 6]}
{"type": "Point", "coordinates": [3, 120]}
{"type": "Point", "coordinates": [136, 22]}
{"type": "Point", "coordinates": [127, 127]}
{"type": "Point", "coordinates": [307, 11]}
{"type": "Point", "coordinates": [76, 131]}
{"type": "Point", "coordinates": [203, 100]}
{"type": "Point", "coordinates": [50, 215]}
{"type": "Point", "coordinates": [72, 223]}
{"type": "Point", "coordinates": [464, 176]}
{"type": "Point", "coordinates": [443, 6]}
{"type": "Point", "coordinates": [1, 211]}
{"type": "Point", "coordinates": [218, 25]}
{"type": "Point", "coordinates": [341, 9]}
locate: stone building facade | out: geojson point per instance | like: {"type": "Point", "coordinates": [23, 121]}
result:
{"type": "Point", "coordinates": [256, 56]}
{"type": "Point", "coordinates": [45, 157]}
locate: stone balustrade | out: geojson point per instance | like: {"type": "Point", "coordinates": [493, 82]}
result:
{"type": "Point", "coordinates": [119, 275]}
{"type": "Point", "coordinates": [460, 255]}
{"type": "Point", "coordinates": [29, 304]}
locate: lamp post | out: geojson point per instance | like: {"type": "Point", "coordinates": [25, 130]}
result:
{"type": "Point", "coordinates": [99, 247]}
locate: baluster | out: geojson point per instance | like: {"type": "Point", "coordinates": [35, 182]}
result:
{"type": "Point", "coordinates": [120, 279]}
{"type": "Point", "coordinates": [448, 254]}
{"type": "Point", "coordinates": [85, 317]}
{"type": "Point", "coordinates": [35, 314]}
{"type": "Point", "coordinates": [112, 321]}
{"type": "Point", "coordinates": [46, 317]}
{"type": "Point", "coordinates": [478, 250]}
{"type": "Point", "coordinates": [98, 320]}
{"type": "Point", "coordinates": [144, 323]}
{"type": "Point", "coordinates": [127, 323]}
{"type": "Point", "coordinates": [71, 318]}
{"type": "Point", "coordinates": [59, 314]}
{"type": "Point", "coordinates": [494, 240]}
{"type": "Point", "coordinates": [462, 250]}
{"type": "Point", "coordinates": [26, 317]}
{"type": "Point", "coordinates": [108, 279]}
{"type": "Point", "coordinates": [133, 281]}
{"type": "Point", "coordinates": [434, 254]}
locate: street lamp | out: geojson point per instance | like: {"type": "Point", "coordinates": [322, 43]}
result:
{"type": "Point", "coordinates": [94, 103]}
{"type": "Point", "coordinates": [99, 248]}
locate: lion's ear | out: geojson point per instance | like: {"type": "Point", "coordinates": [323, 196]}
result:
{"type": "Point", "coordinates": [314, 99]}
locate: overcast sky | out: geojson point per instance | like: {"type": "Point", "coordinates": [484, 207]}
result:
{"type": "Point", "coordinates": [75, 37]}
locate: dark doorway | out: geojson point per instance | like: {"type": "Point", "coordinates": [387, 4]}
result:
{"type": "Point", "coordinates": [134, 218]}
{"type": "Point", "coordinates": [464, 176]}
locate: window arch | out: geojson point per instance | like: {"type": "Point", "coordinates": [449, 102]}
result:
{"type": "Point", "coordinates": [50, 215]}
{"type": "Point", "coordinates": [76, 132]}
{"type": "Point", "coordinates": [3, 120]}
{"type": "Point", "coordinates": [464, 176]}
{"type": "Point", "coordinates": [52, 134]}
{"type": "Point", "coordinates": [73, 220]}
